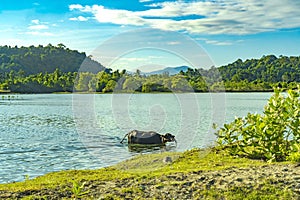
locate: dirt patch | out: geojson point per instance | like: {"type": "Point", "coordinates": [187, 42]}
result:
{"type": "Point", "coordinates": [179, 185]}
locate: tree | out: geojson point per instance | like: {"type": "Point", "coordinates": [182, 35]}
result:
{"type": "Point", "coordinates": [82, 83]}
{"type": "Point", "coordinates": [110, 86]}
{"type": "Point", "coordinates": [131, 84]}
{"type": "Point", "coordinates": [61, 46]}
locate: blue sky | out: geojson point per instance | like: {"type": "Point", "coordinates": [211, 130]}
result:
{"type": "Point", "coordinates": [225, 29]}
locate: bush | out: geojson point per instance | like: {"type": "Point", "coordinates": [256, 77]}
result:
{"type": "Point", "coordinates": [294, 157]}
{"type": "Point", "coordinates": [273, 136]}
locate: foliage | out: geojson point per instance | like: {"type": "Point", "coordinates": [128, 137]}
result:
{"type": "Point", "coordinates": [78, 190]}
{"type": "Point", "coordinates": [26, 177]}
{"type": "Point", "coordinates": [294, 156]}
{"type": "Point", "coordinates": [34, 60]}
{"type": "Point", "coordinates": [273, 136]}
{"type": "Point", "coordinates": [268, 69]}
{"type": "Point", "coordinates": [104, 82]}
{"type": "Point", "coordinates": [46, 69]}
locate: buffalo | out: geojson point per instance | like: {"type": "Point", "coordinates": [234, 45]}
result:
{"type": "Point", "coordinates": [151, 137]}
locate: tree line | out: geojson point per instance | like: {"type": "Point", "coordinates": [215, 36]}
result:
{"type": "Point", "coordinates": [59, 69]}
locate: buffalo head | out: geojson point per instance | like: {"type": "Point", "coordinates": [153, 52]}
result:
{"type": "Point", "coordinates": [168, 137]}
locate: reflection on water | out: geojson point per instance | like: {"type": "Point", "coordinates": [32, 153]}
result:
{"type": "Point", "coordinates": [43, 133]}
{"type": "Point", "coordinates": [139, 148]}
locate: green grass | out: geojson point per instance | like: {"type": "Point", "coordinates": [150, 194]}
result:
{"type": "Point", "coordinates": [140, 166]}
{"type": "Point", "coordinates": [195, 160]}
{"type": "Point", "coordinates": [147, 167]}
{"type": "Point", "coordinates": [189, 161]}
{"type": "Point", "coordinates": [65, 178]}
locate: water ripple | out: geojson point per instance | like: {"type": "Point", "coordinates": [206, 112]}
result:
{"type": "Point", "coordinates": [38, 133]}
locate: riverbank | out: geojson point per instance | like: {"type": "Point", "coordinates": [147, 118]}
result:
{"type": "Point", "coordinates": [190, 175]}
{"type": "Point", "coordinates": [8, 92]}
{"type": "Point", "coordinates": [4, 91]}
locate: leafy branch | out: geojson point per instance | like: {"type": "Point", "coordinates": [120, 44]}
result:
{"type": "Point", "coordinates": [273, 136]}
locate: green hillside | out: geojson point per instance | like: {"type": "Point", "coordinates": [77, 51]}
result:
{"type": "Point", "coordinates": [33, 60]}
{"type": "Point", "coordinates": [267, 69]}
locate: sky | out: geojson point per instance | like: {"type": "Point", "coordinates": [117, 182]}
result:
{"type": "Point", "coordinates": [141, 33]}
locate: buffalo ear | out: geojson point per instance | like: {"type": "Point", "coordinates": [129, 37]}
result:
{"type": "Point", "coordinates": [163, 139]}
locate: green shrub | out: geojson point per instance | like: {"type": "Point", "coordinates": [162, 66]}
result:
{"type": "Point", "coordinates": [294, 156]}
{"type": "Point", "coordinates": [272, 136]}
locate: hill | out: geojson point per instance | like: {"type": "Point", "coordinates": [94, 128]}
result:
{"type": "Point", "coordinates": [34, 60]}
{"type": "Point", "coordinates": [266, 69]}
{"type": "Point", "coordinates": [169, 70]}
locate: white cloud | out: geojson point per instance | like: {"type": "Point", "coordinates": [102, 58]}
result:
{"type": "Point", "coordinates": [75, 7]}
{"type": "Point", "coordinates": [145, 1]}
{"type": "Point", "coordinates": [179, 8]}
{"type": "Point", "coordinates": [219, 43]}
{"type": "Point", "coordinates": [79, 18]}
{"type": "Point", "coordinates": [173, 43]}
{"type": "Point", "coordinates": [103, 15]}
{"type": "Point", "coordinates": [121, 17]}
{"type": "Point", "coordinates": [38, 27]}
{"type": "Point", "coordinates": [35, 21]}
{"type": "Point", "coordinates": [209, 17]}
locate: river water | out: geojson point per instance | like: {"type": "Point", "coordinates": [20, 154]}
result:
{"type": "Point", "coordinates": [41, 133]}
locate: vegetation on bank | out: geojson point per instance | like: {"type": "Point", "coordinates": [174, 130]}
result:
{"type": "Point", "coordinates": [272, 136]}
{"type": "Point", "coordinates": [46, 69]}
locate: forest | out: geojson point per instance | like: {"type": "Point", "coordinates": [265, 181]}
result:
{"type": "Point", "coordinates": [47, 69]}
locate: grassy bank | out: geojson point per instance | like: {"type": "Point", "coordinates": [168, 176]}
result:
{"type": "Point", "coordinates": [190, 175]}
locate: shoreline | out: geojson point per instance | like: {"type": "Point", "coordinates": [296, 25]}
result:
{"type": "Point", "coordinates": [189, 175]}
{"type": "Point", "coordinates": [229, 91]}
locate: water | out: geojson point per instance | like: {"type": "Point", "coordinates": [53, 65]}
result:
{"type": "Point", "coordinates": [43, 133]}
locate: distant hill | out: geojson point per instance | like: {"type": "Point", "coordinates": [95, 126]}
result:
{"type": "Point", "coordinates": [36, 59]}
{"type": "Point", "coordinates": [169, 70]}
{"type": "Point", "coordinates": [267, 69]}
